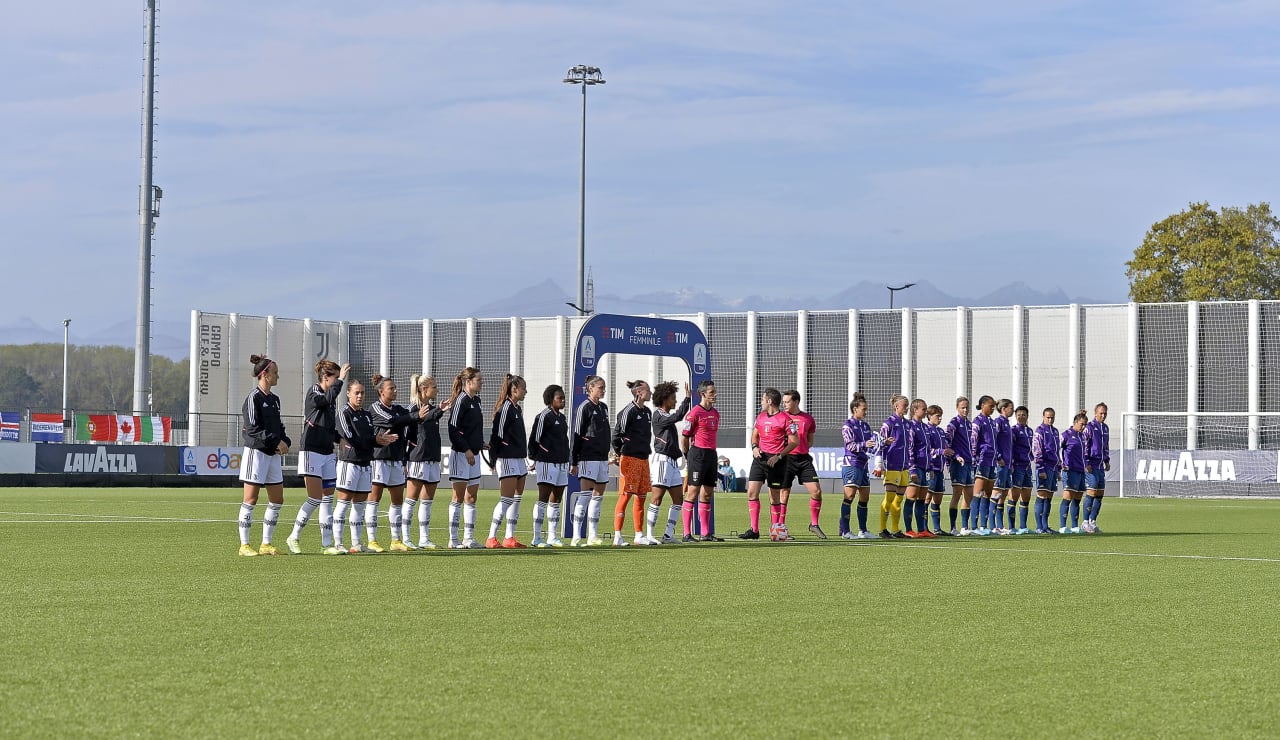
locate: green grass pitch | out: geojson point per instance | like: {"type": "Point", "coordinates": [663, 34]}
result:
{"type": "Point", "coordinates": [127, 612]}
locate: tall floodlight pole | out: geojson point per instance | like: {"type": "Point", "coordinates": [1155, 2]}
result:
{"type": "Point", "coordinates": [893, 290]}
{"type": "Point", "coordinates": [66, 334]}
{"type": "Point", "coordinates": [585, 76]}
{"type": "Point", "coordinates": [146, 216]}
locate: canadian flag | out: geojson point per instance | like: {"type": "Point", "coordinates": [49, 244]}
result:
{"type": "Point", "coordinates": [126, 429]}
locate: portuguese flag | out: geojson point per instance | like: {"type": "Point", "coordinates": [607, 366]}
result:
{"type": "Point", "coordinates": [96, 428]}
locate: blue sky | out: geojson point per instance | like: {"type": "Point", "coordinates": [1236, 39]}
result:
{"type": "Point", "coordinates": [401, 159]}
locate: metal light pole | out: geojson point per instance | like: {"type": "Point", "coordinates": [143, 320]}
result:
{"type": "Point", "coordinates": [585, 76]}
{"type": "Point", "coordinates": [66, 331]}
{"type": "Point", "coordinates": [893, 290]}
{"type": "Point", "coordinates": [146, 224]}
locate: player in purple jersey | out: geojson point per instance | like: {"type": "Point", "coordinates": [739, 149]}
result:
{"type": "Point", "coordinates": [1097, 436]}
{"type": "Point", "coordinates": [1023, 479]}
{"type": "Point", "coordinates": [1074, 463]}
{"type": "Point", "coordinates": [984, 460]}
{"type": "Point", "coordinates": [895, 446]}
{"type": "Point", "coordinates": [917, 474]}
{"type": "Point", "coordinates": [858, 441]}
{"type": "Point", "coordinates": [1004, 471]}
{"type": "Point", "coordinates": [958, 440]}
{"type": "Point", "coordinates": [937, 461]}
{"type": "Point", "coordinates": [1046, 449]}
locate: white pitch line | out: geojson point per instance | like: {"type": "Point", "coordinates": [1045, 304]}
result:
{"type": "Point", "coordinates": [1083, 552]}
{"type": "Point", "coordinates": [4, 521]}
{"type": "Point", "coordinates": [60, 516]}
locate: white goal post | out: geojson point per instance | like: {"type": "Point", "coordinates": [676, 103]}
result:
{"type": "Point", "coordinates": [1184, 454]}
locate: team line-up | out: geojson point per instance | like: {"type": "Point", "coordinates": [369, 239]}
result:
{"type": "Point", "coordinates": [350, 455]}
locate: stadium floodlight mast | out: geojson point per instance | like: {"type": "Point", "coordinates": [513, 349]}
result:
{"type": "Point", "coordinates": [148, 195]}
{"type": "Point", "coordinates": [66, 333]}
{"type": "Point", "coordinates": [585, 76]}
{"type": "Point", "coordinates": [893, 290]}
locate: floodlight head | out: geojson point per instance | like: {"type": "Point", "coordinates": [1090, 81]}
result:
{"type": "Point", "coordinates": [584, 75]}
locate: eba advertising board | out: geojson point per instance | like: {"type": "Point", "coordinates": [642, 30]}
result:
{"type": "Point", "coordinates": [211, 460]}
{"type": "Point", "coordinates": [142, 459]}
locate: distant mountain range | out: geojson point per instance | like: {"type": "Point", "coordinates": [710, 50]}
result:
{"type": "Point", "coordinates": [171, 338]}
{"type": "Point", "coordinates": [168, 338]}
{"type": "Point", "coordinates": [548, 299]}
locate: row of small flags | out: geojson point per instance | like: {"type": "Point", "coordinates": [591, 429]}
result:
{"type": "Point", "coordinates": [89, 427]}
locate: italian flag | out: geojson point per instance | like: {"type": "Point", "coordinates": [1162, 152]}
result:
{"type": "Point", "coordinates": [143, 428]}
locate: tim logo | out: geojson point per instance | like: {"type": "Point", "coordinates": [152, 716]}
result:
{"type": "Point", "coordinates": [699, 358]}
{"type": "Point", "coordinates": [612, 332]}
{"type": "Point", "coordinates": [677, 337]}
{"type": "Point", "coordinates": [587, 353]}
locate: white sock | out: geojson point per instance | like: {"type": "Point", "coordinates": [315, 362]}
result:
{"type": "Point", "coordinates": [593, 516]}
{"type": "Point", "coordinates": [455, 514]}
{"type": "Point", "coordinates": [245, 522]}
{"type": "Point", "coordinates": [304, 516]}
{"type": "Point", "coordinates": [513, 516]}
{"type": "Point", "coordinates": [553, 520]}
{"type": "Point", "coordinates": [650, 518]}
{"type": "Point", "coordinates": [393, 518]}
{"type": "Point", "coordinates": [326, 521]}
{"type": "Point", "coordinates": [406, 519]}
{"type": "Point", "coordinates": [269, 521]}
{"type": "Point", "coordinates": [580, 507]}
{"type": "Point", "coordinates": [499, 512]}
{"type": "Point", "coordinates": [339, 521]}
{"type": "Point", "coordinates": [673, 516]}
{"type": "Point", "coordinates": [424, 520]}
{"type": "Point", "coordinates": [468, 521]}
{"type": "Point", "coordinates": [539, 516]}
{"type": "Point", "coordinates": [371, 519]}
{"type": "Point", "coordinates": [357, 521]}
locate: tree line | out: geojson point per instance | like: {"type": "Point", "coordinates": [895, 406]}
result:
{"type": "Point", "coordinates": [100, 379]}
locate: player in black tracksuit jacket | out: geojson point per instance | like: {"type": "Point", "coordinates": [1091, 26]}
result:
{"type": "Point", "coordinates": [264, 441]}
{"type": "Point", "coordinates": [466, 440]}
{"type": "Point", "coordinates": [664, 470]}
{"type": "Point", "coordinates": [388, 466]}
{"type": "Point", "coordinates": [357, 440]}
{"type": "Point", "coordinates": [590, 449]}
{"type": "Point", "coordinates": [631, 446]}
{"type": "Point", "coordinates": [549, 450]}
{"type": "Point", "coordinates": [423, 470]}
{"type": "Point", "coordinates": [510, 448]}
{"type": "Point", "coordinates": [316, 461]}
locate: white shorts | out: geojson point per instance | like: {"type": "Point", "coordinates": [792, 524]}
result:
{"type": "Point", "coordinates": [511, 467]}
{"type": "Point", "coordinates": [553, 474]}
{"type": "Point", "coordinates": [427, 472]}
{"type": "Point", "coordinates": [665, 472]}
{"type": "Point", "coordinates": [259, 468]}
{"type": "Point", "coordinates": [594, 470]}
{"type": "Point", "coordinates": [388, 472]}
{"type": "Point", "coordinates": [354, 478]}
{"type": "Point", "coordinates": [315, 465]}
{"type": "Point", "coordinates": [460, 470]}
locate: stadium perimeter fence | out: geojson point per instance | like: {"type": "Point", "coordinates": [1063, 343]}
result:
{"type": "Point", "coordinates": [1163, 369]}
